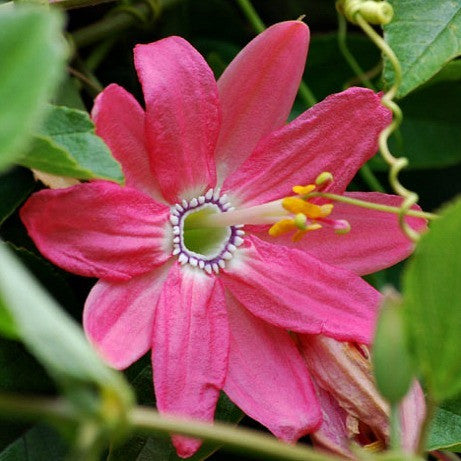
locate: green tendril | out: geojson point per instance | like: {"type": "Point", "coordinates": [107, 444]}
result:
{"type": "Point", "coordinates": [363, 13]}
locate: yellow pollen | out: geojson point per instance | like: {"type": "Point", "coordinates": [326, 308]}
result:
{"type": "Point", "coordinates": [303, 190]}
{"type": "Point", "coordinates": [297, 205]}
{"type": "Point", "coordinates": [282, 227]}
{"type": "Point", "coordinates": [298, 235]}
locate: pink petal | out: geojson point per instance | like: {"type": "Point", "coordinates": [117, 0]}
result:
{"type": "Point", "coordinates": [267, 377]}
{"type": "Point", "coordinates": [119, 120]}
{"type": "Point", "coordinates": [342, 370]}
{"type": "Point", "coordinates": [190, 348]}
{"type": "Point", "coordinates": [257, 90]}
{"type": "Point", "coordinates": [182, 115]}
{"type": "Point", "coordinates": [295, 291]}
{"type": "Point", "coordinates": [337, 135]}
{"type": "Point", "coordinates": [375, 241]}
{"type": "Point", "coordinates": [98, 229]}
{"type": "Point", "coordinates": [412, 414]}
{"type": "Point", "coordinates": [333, 434]}
{"type": "Point", "coordinates": [118, 317]}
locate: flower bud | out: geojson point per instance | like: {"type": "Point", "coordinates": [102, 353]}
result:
{"type": "Point", "coordinates": [391, 360]}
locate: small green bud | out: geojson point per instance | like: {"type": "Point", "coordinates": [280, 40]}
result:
{"type": "Point", "coordinates": [379, 12]}
{"type": "Point", "coordinates": [391, 359]}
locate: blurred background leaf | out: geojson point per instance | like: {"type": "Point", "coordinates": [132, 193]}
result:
{"type": "Point", "coordinates": [32, 55]}
{"type": "Point", "coordinates": [432, 304]}
{"type": "Point", "coordinates": [59, 343]}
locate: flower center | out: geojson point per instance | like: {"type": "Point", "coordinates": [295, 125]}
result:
{"type": "Point", "coordinates": [208, 248]}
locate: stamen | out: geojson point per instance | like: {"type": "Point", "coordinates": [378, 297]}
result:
{"type": "Point", "coordinates": [282, 227]}
{"type": "Point", "coordinates": [297, 205]}
{"type": "Point", "coordinates": [307, 216]}
{"type": "Point", "coordinates": [303, 190]}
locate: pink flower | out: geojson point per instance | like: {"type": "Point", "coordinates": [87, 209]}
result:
{"type": "Point", "coordinates": [215, 304]}
{"type": "Point", "coordinates": [352, 408]}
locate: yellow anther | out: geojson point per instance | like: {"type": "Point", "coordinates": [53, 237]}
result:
{"type": "Point", "coordinates": [303, 190]}
{"type": "Point", "coordinates": [282, 227]}
{"type": "Point", "coordinates": [313, 227]}
{"type": "Point", "coordinates": [297, 205]}
{"type": "Point", "coordinates": [326, 210]}
{"type": "Point", "coordinates": [301, 233]}
{"type": "Point", "coordinates": [298, 235]}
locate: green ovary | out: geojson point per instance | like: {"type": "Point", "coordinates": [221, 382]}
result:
{"type": "Point", "coordinates": [206, 241]}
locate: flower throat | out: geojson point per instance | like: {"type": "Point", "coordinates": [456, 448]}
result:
{"type": "Point", "coordinates": [208, 248]}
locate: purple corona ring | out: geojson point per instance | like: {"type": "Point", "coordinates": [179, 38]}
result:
{"type": "Point", "coordinates": [214, 256]}
{"type": "Point", "coordinates": [220, 294]}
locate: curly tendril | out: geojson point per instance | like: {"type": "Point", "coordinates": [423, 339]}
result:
{"type": "Point", "coordinates": [363, 13]}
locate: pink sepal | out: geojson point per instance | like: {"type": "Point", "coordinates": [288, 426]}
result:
{"type": "Point", "coordinates": [119, 120]}
{"type": "Point", "coordinates": [98, 229]}
{"type": "Point", "coordinates": [337, 135]}
{"type": "Point", "coordinates": [257, 90]}
{"type": "Point", "coordinates": [295, 291]}
{"type": "Point", "coordinates": [374, 242]}
{"type": "Point", "coordinates": [119, 316]}
{"type": "Point", "coordinates": [190, 348]}
{"type": "Point", "coordinates": [267, 377]}
{"type": "Point", "coordinates": [182, 116]}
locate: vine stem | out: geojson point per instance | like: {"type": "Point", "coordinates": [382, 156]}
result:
{"type": "Point", "coordinates": [252, 15]}
{"type": "Point", "coordinates": [348, 56]}
{"type": "Point", "coordinates": [148, 421]}
{"type": "Point", "coordinates": [395, 427]}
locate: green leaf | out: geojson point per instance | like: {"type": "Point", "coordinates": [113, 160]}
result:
{"type": "Point", "coordinates": [431, 128]}
{"type": "Point", "coordinates": [68, 146]}
{"type": "Point", "coordinates": [425, 35]}
{"type": "Point", "coordinates": [32, 56]}
{"type": "Point", "coordinates": [445, 429]}
{"type": "Point", "coordinates": [432, 303]}
{"type": "Point", "coordinates": [58, 343]}
{"type": "Point", "coordinates": [15, 186]}
{"type": "Point", "coordinates": [41, 443]}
